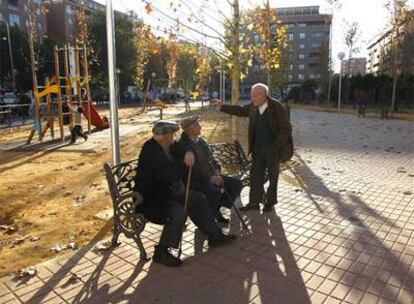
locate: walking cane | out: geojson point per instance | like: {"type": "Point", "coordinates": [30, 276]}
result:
{"type": "Point", "coordinates": [236, 210]}
{"type": "Point", "coordinates": [187, 191]}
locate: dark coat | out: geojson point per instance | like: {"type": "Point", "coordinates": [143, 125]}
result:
{"type": "Point", "coordinates": [205, 165]}
{"type": "Point", "coordinates": [156, 174]}
{"type": "Point", "coordinates": [279, 123]}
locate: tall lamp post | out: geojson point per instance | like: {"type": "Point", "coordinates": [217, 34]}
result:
{"type": "Point", "coordinates": [153, 75]}
{"type": "Point", "coordinates": [10, 51]}
{"type": "Point", "coordinates": [341, 57]}
{"type": "Point", "coordinates": [110, 36]}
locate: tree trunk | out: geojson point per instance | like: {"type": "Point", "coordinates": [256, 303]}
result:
{"type": "Point", "coordinates": [269, 81]}
{"type": "Point", "coordinates": [394, 90]}
{"type": "Point", "coordinates": [328, 99]}
{"type": "Point", "coordinates": [235, 76]}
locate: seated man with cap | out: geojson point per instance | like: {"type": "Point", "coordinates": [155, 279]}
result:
{"type": "Point", "coordinates": [220, 190]}
{"type": "Point", "coordinates": [159, 182]}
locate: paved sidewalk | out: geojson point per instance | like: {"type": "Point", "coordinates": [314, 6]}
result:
{"type": "Point", "coordinates": [343, 233]}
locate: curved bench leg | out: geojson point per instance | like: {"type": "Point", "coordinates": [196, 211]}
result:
{"type": "Point", "coordinates": [143, 254]}
{"type": "Point", "coordinates": [116, 234]}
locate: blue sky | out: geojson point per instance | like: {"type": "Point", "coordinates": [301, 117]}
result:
{"type": "Point", "coordinates": [371, 15]}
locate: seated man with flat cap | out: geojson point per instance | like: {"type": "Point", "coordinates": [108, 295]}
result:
{"type": "Point", "coordinates": [159, 180]}
{"type": "Point", "coordinates": [220, 190]}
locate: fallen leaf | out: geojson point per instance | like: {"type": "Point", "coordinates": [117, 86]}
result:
{"type": "Point", "coordinates": [27, 272]}
{"type": "Point", "coordinates": [58, 248]}
{"type": "Point", "coordinates": [8, 228]}
{"type": "Point", "coordinates": [101, 247]}
{"type": "Point", "coordinates": [74, 277]}
{"type": "Point", "coordinates": [72, 245]}
{"type": "Point", "coordinates": [67, 193]}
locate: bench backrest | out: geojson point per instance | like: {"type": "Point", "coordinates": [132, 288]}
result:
{"type": "Point", "coordinates": [230, 155]}
{"type": "Point", "coordinates": [121, 178]}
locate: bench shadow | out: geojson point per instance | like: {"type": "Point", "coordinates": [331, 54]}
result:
{"type": "Point", "coordinates": [64, 272]}
{"type": "Point", "coordinates": [258, 267]}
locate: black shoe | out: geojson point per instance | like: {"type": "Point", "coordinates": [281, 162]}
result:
{"type": "Point", "coordinates": [220, 239]}
{"type": "Point", "coordinates": [250, 206]}
{"type": "Point", "coordinates": [163, 256]}
{"type": "Point", "coordinates": [86, 137]}
{"type": "Point", "coordinates": [72, 142]}
{"type": "Point", "coordinates": [220, 218]}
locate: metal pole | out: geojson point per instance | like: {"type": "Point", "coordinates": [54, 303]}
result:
{"type": "Point", "coordinates": [224, 87]}
{"type": "Point", "coordinates": [340, 88]}
{"type": "Point", "coordinates": [110, 33]}
{"type": "Point", "coordinates": [220, 80]}
{"type": "Point", "coordinates": [10, 53]}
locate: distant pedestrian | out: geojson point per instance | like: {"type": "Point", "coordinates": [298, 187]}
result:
{"type": "Point", "coordinates": [77, 129]}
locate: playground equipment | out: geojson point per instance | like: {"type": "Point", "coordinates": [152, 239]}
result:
{"type": "Point", "coordinates": [72, 88]}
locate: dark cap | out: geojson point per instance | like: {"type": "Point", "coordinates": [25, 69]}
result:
{"type": "Point", "coordinates": [186, 122]}
{"type": "Point", "coordinates": [164, 127]}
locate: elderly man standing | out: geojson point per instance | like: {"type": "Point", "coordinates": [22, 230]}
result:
{"type": "Point", "coordinates": [270, 142]}
{"type": "Point", "coordinates": [159, 182]}
{"type": "Point", "coordinates": [220, 190]}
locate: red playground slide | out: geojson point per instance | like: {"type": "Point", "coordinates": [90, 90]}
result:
{"type": "Point", "coordinates": [96, 120]}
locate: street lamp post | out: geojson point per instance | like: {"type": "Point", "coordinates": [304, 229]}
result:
{"type": "Point", "coordinates": [10, 51]}
{"type": "Point", "coordinates": [110, 35]}
{"type": "Point", "coordinates": [153, 75]}
{"type": "Point", "coordinates": [341, 56]}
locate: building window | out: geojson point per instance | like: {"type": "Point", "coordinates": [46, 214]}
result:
{"type": "Point", "coordinates": [301, 67]}
{"type": "Point", "coordinates": [14, 19]}
{"type": "Point", "coordinates": [301, 77]}
{"type": "Point", "coordinates": [302, 46]}
{"type": "Point", "coordinates": [291, 66]}
{"type": "Point", "coordinates": [290, 77]}
{"type": "Point", "coordinates": [317, 35]}
{"type": "Point", "coordinates": [13, 4]}
{"type": "Point", "coordinates": [302, 24]}
{"type": "Point", "coordinates": [302, 35]}
{"type": "Point", "coordinates": [316, 45]}
{"type": "Point", "coordinates": [291, 36]}
{"type": "Point", "coordinates": [69, 10]}
{"type": "Point", "coordinates": [302, 56]}
{"type": "Point", "coordinates": [311, 76]}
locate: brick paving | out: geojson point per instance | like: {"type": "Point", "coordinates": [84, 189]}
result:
{"type": "Point", "coordinates": [342, 233]}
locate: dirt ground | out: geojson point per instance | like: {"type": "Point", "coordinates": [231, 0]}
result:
{"type": "Point", "coordinates": [51, 197]}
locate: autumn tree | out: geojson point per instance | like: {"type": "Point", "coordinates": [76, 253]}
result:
{"type": "Point", "coordinates": [270, 46]}
{"type": "Point", "coordinates": [145, 45]}
{"type": "Point", "coordinates": [174, 53]}
{"type": "Point", "coordinates": [400, 26]}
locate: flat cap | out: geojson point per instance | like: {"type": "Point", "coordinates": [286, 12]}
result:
{"type": "Point", "coordinates": [186, 122]}
{"type": "Point", "coordinates": [164, 127]}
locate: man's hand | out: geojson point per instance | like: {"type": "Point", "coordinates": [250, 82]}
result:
{"type": "Point", "coordinates": [217, 103]}
{"type": "Point", "coordinates": [189, 159]}
{"type": "Point", "coordinates": [216, 180]}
